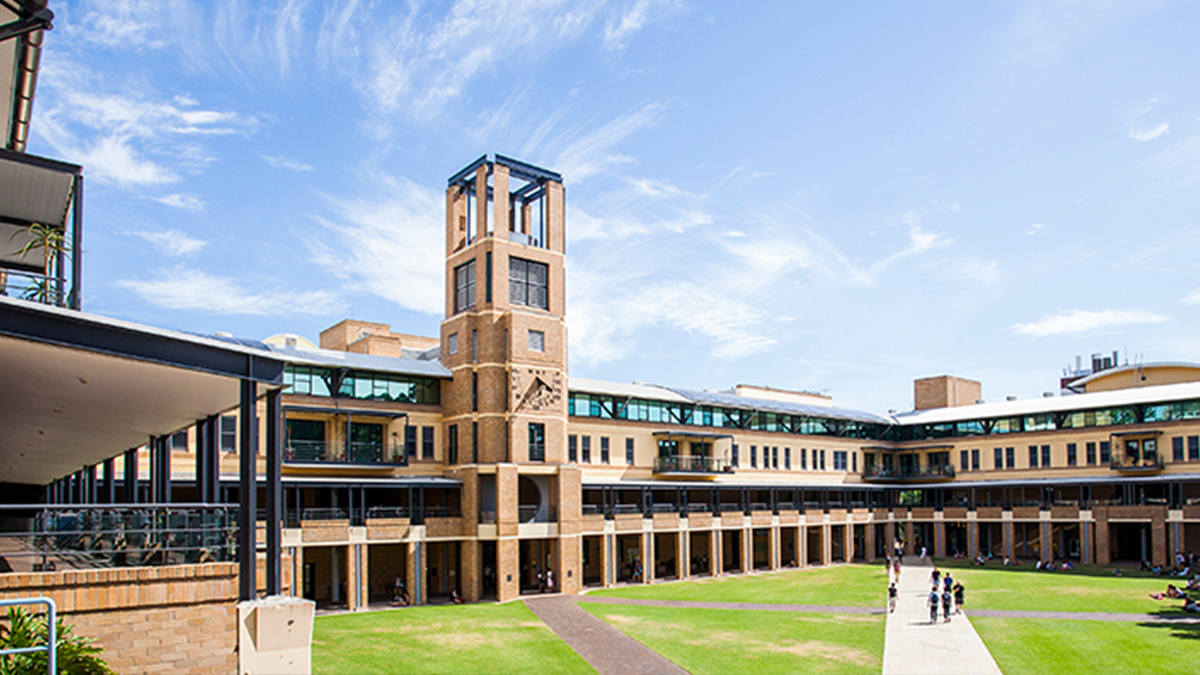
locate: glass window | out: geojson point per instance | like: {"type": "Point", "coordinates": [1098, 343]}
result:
{"type": "Point", "coordinates": [604, 449]}
{"type": "Point", "coordinates": [964, 460]}
{"type": "Point", "coordinates": [822, 460]}
{"type": "Point", "coordinates": [1045, 455]}
{"type": "Point", "coordinates": [787, 458]}
{"type": "Point", "coordinates": [537, 442]}
{"type": "Point", "coordinates": [734, 455]}
{"type": "Point", "coordinates": [229, 433]}
{"type": "Point", "coordinates": [1010, 458]}
{"type": "Point", "coordinates": [1090, 449]}
{"type": "Point", "coordinates": [1177, 449]}
{"type": "Point", "coordinates": [427, 442]}
{"type": "Point", "coordinates": [527, 282]}
{"type": "Point", "coordinates": [179, 441]}
{"type": "Point", "coordinates": [572, 448]}
{"type": "Point", "coordinates": [629, 451]}
{"type": "Point", "coordinates": [464, 286]}
{"type": "Point", "coordinates": [537, 341]}
{"type": "Point", "coordinates": [475, 442]}
{"type": "Point", "coordinates": [975, 459]}
{"type": "Point", "coordinates": [1105, 452]}
{"type": "Point", "coordinates": [997, 458]}
{"type": "Point", "coordinates": [410, 440]}
{"type": "Point", "coordinates": [804, 458]}
{"type": "Point", "coordinates": [774, 458]}
{"type": "Point", "coordinates": [452, 343]}
{"type": "Point", "coordinates": [585, 449]}
{"type": "Point", "coordinates": [839, 460]}
{"type": "Point", "coordinates": [1033, 456]}
{"type": "Point", "coordinates": [1193, 448]}
{"type": "Point", "coordinates": [754, 457]}
{"type": "Point", "coordinates": [452, 444]}
{"type": "Point", "coordinates": [1072, 454]}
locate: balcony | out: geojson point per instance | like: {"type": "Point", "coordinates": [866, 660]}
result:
{"type": "Point", "coordinates": [359, 454]}
{"type": "Point", "coordinates": [879, 474]}
{"type": "Point", "coordinates": [695, 465]}
{"type": "Point", "coordinates": [1145, 462]}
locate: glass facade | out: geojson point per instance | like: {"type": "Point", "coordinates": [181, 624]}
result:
{"type": "Point", "coordinates": [317, 381]}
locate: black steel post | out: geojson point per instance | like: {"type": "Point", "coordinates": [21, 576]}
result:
{"type": "Point", "coordinates": [76, 299]}
{"type": "Point", "coordinates": [247, 492]}
{"type": "Point", "coordinates": [110, 481]}
{"type": "Point", "coordinates": [152, 449]}
{"type": "Point", "coordinates": [274, 493]}
{"type": "Point", "coordinates": [164, 470]}
{"type": "Point", "coordinates": [131, 476]}
{"type": "Point", "coordinates": [89, 483]}
{"type": "Point", "coordinates": [212, 443]}
{"type": "Point", "coordinates": [201, 458]}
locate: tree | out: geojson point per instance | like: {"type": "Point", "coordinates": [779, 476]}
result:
{"type": "Point", "coordinates": [75, 655]}
{"type": "Point", "coordinates": [50, 241]}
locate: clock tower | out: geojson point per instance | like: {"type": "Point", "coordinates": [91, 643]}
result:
{"type": "Point", "coordinates": [504, 340]}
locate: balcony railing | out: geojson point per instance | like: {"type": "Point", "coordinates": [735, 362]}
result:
{"type": "Point", "coordinates": [44, 537]}
{"type": "Point", "coordinates": [32, 286]}
{"type": "Point", "coordinates": [691, 464]}
{"type": "Point", "coordinates": [1141, 462]}
{"type": "Point", "coordinates": [321, 452]}
{"type": "Point", "coordinates": [936, 472]}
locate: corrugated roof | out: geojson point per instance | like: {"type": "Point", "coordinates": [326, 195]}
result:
{"type": "Point", "coordinates": [766, 405]}
{"type": "Point", "coordinates": [1132, 369]}
{"type": "Point", "coordinates": [368, 362]}
{"type": "Point", "coordinates": [1164, 393]}
{"type": "Point", "coordinates": [648, 391]}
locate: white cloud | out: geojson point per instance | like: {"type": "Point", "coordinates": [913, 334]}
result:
{"type": "Point", "coordinates": [172, 242]}
{"type": "Point", "coordinates": [280, 162]}
{"type": "Point", "coordinates": [195, 290]}
{"type": "Point", "coordinates": [591, 153]}
{"type": "Point", "coordinates": [123, 23]}
{"type": "Point", "coordinates": [390, 246]}
{"type": "Point", "coordinates": [1192, 298]}
{"type": "Point", "coordinates": [919, 241]}
{"type": "Point", "coordinates": [972, 269]}
{"type": "Point", "coordinates": [1081, 321]}
{"type": "Point", "coordinates": [1034, 229]}
{"type": "Point", "coordinates": [1148, 134]}
{"type": "Point", "coordinates": [124, 136]}
{"type": "Point", "coordinates": [182, 201]}
{"type": "Point", "coordinates": [634, 18]}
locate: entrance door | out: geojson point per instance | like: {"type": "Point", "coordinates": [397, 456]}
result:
{"type": "Point", "coordinates": [366, 443]}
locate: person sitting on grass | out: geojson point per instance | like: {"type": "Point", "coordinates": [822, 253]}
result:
{"type": "Point", "coordinates": [1173, 592]}
{"type": "Point", "coordinates": [1191, 606]}
{"type": "Point", "coordinates": [455, 597]}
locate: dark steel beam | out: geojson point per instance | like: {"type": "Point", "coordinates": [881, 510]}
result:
{"type": "Point", "coordinates": [247, 493]}
{"type": "Point", "coordinates": [274, 492]}
{"type": "Point", "coordinates": [131, 476]}
{"type": "Point", "coordinates": [469, 170]}
{"type": "Point", "coordinates": [110, 481]}
{"type": "Point", "coordinates": [76, 300]}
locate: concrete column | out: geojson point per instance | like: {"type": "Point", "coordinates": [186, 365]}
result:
{"type": "Point", "coordinates": [1158, 538]}
{"type": "Point", "coordinates": [715, 565]}
{"type": "Point", "coordinates": [472, 570]}
{"type": "Point", "coordinates": [606, 560]}
{"type": "Point", "coordinates": [1047, 540]}
{"type": "Point", "coordinates": [682, 559]}
{"type": "Point", "coordinates": [570, 566]}
{"type": "Point", "coordinates": [747, 549]}
{"type": "Point", "coordinates": [648, 558]}
{"type": "Point", "coordinates": [826, 544]}
{"type": "Point", "coordinates": [939, 538]}
{"type": "Point", "coordinates": [802, 546]}
{"type": "Point", "coordinates": [869, 541]}
{"type": "Point", "coordinates": [1103, 549]}
{"type": "Point", "coordinates": [889, 538]}
{"type": "Point", "coordinates": [1007, 538]}
{"type": "Point", "coordinates": [848, 546]}
{"type": "Point", "coordinates": [773, 547]}
{"type": "Point", "coordinates": [972, 539]}
{"type": "Point", "coordinates": [910, 544]}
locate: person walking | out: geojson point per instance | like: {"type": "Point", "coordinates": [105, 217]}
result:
{"type": "Point", "coordinates": [947, 581]}
{"type": "Point", "coordinates": [892, 593]}
{"type": "Point", "coordinates": [936, 577]}
{"type": "Point", "coordinates": [947, 603]}
{"type": "Point", "coordinates": [959, 596]}
{"type": "Point", "coordinates": [933, 605]}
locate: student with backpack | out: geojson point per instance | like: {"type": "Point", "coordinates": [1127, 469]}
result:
{"type": "Point", "coordinates": [892, 592]}
{"type": "Point", "coordinates": [933, 605]}
{"type": "Point", "coordinates": [947, 604]}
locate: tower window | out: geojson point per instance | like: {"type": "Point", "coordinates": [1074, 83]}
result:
{"type": "Point", "coordinates": [452, 343]}
{"type": "Point", "coordinates": [537, 442]}
{"type": "Point", "coordinates": [464, 286]}
{"type": "Point", "coordinates": [527, 283]}
{"type": "Point", "coordinates": [537, 341]}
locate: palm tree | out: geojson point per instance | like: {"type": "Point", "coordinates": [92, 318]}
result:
{"type": "Point", "coordinates": [51, 241]}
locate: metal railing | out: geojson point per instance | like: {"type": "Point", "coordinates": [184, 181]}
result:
{"type": "Point", "coordinates": [691, 464]}
{"type": "Point", "coordinates": [909, 473]}
{"type": "Point", "coordinates": [51, 646]}
{"type": "Point", "coordinates": [322, 452]}
{"type": "Point", "coordinates": [33, 286]}
{"type": "Point", "coordinates": [387, 512]}
{"type": "Point", "coordinates": [1122, 461]}
{"type": "Point", "coordinates": [324, 514]}
{"type": "Point", "coordinates": [51, 537]}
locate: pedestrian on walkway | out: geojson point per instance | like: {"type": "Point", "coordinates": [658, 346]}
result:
{"type": "Point", "coordinates": [947, 604]}
{"type": "Point", "coordinates": [892, 592]}
{"type": "Point", "coordinates": [933, 605]}
{"type": "Point", "coordinates": [959, 596]}
{"type": "Point", "coordinates": [947, 581]}
{"type": "Point", "coordinates": [896, 568]}
{"type": "Point", "coordinates": [936, 577]}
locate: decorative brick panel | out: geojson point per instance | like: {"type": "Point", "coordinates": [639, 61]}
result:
{"type": "Point", "coordinates": [627, 522]}
{"type": "Point", "coordinates": [312, 531]}
{"type": "Point", "coordinates": [443, 527]}
{"type": "Point", "coordinates": [387, 528]}
{"type": "Point", "coordinates": [955, 513]}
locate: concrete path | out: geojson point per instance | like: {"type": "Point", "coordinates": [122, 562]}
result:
{"type": "Point", "coordinates": [607, 649]}
{"type": "Point", "coordinates": [1083, 616]}
{"type": "Point", "coordinates": [756, 606]}
{"type": "Point", "coordinates": [914, 646]}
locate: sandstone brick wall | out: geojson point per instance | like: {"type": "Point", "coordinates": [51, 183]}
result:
{"type": "Point", "coordinates": [178, 619]}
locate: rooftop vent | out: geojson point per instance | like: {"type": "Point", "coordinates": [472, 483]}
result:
{"type": "Point", "coordinates": [224, 334]}
{"type": "Point", "coordinates": [1010, 398]}
{"type": "Point", "coordinates": [1047, 394]}
{"type": "Point", "coordinates": [979, 401]}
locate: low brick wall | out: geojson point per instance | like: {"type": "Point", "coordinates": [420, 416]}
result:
{"type": "Point", "coordinates": [177, 619]}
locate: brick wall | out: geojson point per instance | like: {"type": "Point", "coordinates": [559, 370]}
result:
{"type": "Point", "coordinates": [178, 619]}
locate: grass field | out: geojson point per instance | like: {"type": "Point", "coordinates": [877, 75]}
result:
{"type": "Point", "coordinates": [449, 639]}
{"type": "Point", "coordinates": [753, 642]}
{"type": "Point", "coordinates": [844, 585]}
{"type": "Point", "coordinates": [1048, 647]}
{"type": "Point", "coordinates": [1087, 589]}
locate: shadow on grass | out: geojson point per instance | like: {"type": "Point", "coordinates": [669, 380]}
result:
{"type": "Point", "coordinates": [1128, 570]}
{"type": "Point", "coordinates": [1179, 629]}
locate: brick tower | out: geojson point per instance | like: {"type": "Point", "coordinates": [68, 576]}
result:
{"type": "Point", "coordinates": [504, 339]}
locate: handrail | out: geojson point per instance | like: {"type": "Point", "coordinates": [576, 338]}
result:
{"type": "Point", "coordinates": [51, 646]}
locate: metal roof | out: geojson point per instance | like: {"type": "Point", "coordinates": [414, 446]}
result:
{"type": "Point", "coordinates": [365, 362]}
{"type": "Point", "coordinates": [1083, 381]}
{"type": "Point", "coordinates": [636, 390]}
{"type": "Point", "coordinates": [1165, 393]}
{"type": "Point", "coordinates": [32, 190]}
{"type": "Point", "coordinates": [766, 405]}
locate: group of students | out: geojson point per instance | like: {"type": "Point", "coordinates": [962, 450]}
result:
{"type": "Point", "coordinates": [952, 598]}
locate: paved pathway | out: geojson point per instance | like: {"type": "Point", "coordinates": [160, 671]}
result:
{"type": "Point", "coordinates": [1084, 616]}
{"type": "Point", "coordinates": [607, 649]}
{"type": "Point", "coordinates": [914, 646]}
{"type": "Point", "coordinates": [757, 606]}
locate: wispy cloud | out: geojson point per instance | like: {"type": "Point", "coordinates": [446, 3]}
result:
{"type": "Point", "coordinates": [280, 162]}
{"type": "Point", "coordinates": [195, 290]}
{"type": "Point", "coordinates": [634, 17]}
{"type": "Point", "coordinates": [1148, 134]}
{"type": "Point", "coordinates": [919, 241]}
{"type": "Point", "coordinates": [1082, 321]}
{"type": "Point", "coordinates": [592, 152]}
{"type": "Point", "coordinates": [171, 242]}
{"type": "Point", "coordinates": [1034, 229]}
{"type": "Point", "coordinates": [386, 246]}
{"type": "Point", "coordinates": [182, 201]}
{"type": "Point", "coordinates": [1192, 298]}
{"type": "Point", "coordinates": [125, 136]}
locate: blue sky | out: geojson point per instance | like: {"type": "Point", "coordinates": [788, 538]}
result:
{"type": "Point", "coordinates": [836, 197]}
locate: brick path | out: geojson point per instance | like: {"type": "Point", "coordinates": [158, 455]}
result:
{"type": "Point", "coordinates": [914, 646]}
{"type": "Point", "coordinates": [607, 649]}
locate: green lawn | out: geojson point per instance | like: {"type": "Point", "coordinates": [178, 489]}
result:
{"type": "Point", "coordinates": [841, 585]}
{"type": "Point", "coordinates": [1049, 647]}
{"type": "Point", "coordinates": [1087, 589]}
{"type": "Point", "coordinates": [443, 639]}
{"type": "Point", "coordinates": [738, 641]}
